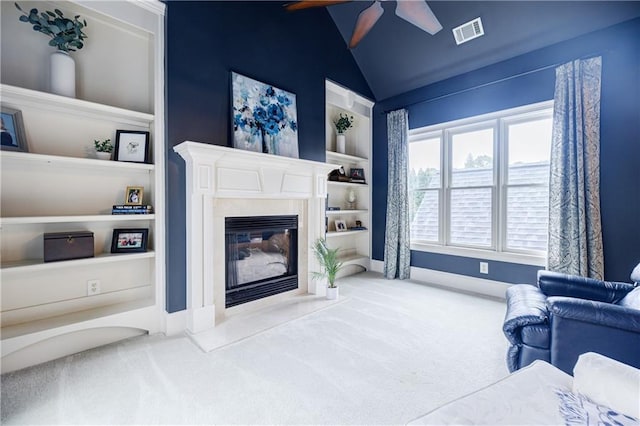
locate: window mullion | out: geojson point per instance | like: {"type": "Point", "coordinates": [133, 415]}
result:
{"type": "Point", "coordinates": [446, 193]}
{"type": "Point", "coordinates": [503, 159]}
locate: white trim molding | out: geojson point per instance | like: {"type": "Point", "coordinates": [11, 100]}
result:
{"type": "Point", "coordinates": [456, 282]}
{"type": "Point", "coordinates": [476, 253]}
{"type": "Point", "coordinates": [175, 322]}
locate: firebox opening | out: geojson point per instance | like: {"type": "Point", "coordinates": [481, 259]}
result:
{"type": "Point", "coordinates": [261, 257]}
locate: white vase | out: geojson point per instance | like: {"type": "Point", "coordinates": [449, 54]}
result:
{"type": "Point", "coordinates": [62, 74]}
{"type": "Point", "coordinates": [340, 143]}
{"type": "Point", "coordinates": [332, 293]}
{"type": "Point", "coordinates": [103, 155]}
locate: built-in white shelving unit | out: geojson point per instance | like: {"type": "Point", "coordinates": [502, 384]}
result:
{"type": "Point", "coordinates": [354, 244]}
{"type": "Point", "coordinates": [46, 309]}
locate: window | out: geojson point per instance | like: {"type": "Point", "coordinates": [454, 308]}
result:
{"type": "Point", "coordinates": [425, 180]}
{"type": "Point", "coordinates": [482, 183]}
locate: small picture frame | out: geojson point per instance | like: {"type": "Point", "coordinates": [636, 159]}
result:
{"type": "Point", "coordinates": [13, 134]}
{"type": "Point", "coordinates": [133, 195]}
{"type": "Point", "coordinates": [357, 175]}
{"type": "Point", "coordinates": [341, 225]}
{"type": "Point", "coordinates": [129, 240]}
{"type": "Point", "coordinates": [132, 146]}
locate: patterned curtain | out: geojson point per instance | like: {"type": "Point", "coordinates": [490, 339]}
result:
{"type": "Point", "coordinates": [575, 231]}
{"type": "Point", "coordinates": [396, 248]}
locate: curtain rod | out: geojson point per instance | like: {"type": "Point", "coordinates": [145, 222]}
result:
{"type": "Point", "coordinates": [546, 67]}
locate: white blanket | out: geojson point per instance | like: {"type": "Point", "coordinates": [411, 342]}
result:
{"type": "Point", "coordinates": [527, 396]}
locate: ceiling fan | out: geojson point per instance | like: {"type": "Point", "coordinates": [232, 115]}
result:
{"type": "Point", "coordinates": [416, 12]}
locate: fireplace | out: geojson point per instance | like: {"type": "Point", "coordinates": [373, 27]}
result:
{"type": "Point", "coordinates": [223, 183]}
{"type": "Point", "coordinates": [261, 257]}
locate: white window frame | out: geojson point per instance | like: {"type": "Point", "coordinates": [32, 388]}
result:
{"type": "Point", "coordinates": [449, 133]}
{"type": "Point", "coordinates": [499, 122]}
{"type": "Point", "coordinates": [438, 134]}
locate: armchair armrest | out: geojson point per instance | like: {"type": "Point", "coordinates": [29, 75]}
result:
{"type": "Point", "coordinates": [593, 312]}
{"type": "Point", "coordinates": [557, 284]}
{"type": "Point", "coordinates": [526, 305]}
{"type": "Point", "coordinates": [579, 326]}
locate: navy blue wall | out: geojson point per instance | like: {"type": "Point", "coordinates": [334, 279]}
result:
{"type": "Point", "coordinates": [620, 139]}
{"type": "Point", "coordinates": [208, 40]}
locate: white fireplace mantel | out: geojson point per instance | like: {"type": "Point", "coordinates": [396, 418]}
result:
{"type": "Point", "coordinates": [215, 172]}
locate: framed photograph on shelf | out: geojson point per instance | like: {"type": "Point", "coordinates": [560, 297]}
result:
{"type": "Point", "coordinates": [133, 195]}
{"type": "Point", "coordinates": [357, 175]}
{"type": "Point", "coordinates": [132, 146]}
{"type": "Point", "coordinates": [341, 225]}
{"type": "Point", "coordinates": [13, 134]}
{"type": "Point", "coordinates": [129, 240]}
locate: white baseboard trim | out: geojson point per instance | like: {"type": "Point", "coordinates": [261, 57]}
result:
{"type": "Point", "coordinates": [175, 323]}
{"type": "Point", "coordinates": [454, 281]}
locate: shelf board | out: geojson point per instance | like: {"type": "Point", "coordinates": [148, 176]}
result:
{"type": "Point", "coordinates": [19, 96]}
{"type": "Point", "coordinates": [345, 157]}
{"type": "Point", "coordinates": [340, 212]}
{"type": "Point", "coordinates": [28, 266]}
{"type": "Point", "coordinates": [75, 319]}
{"type": "Point", "coordinates": [345, 233]}
{"type": "Point", "coordinates": [353, 259]}
{"type": "Point", "coordinates": [27, 220]}
{"type": "Point", "coordinates": [57, 160]}
{"type": "Point", "coordinates": [336, 183]}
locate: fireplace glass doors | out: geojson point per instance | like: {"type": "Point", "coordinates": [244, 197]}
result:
{"type": "Point", "coordinates": [261, 257]}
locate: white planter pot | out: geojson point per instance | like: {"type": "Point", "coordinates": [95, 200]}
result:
{"type": "Point", "coordinates": [103, 155]}
{"type": "Point", "coordinates": [332, 293]}
{"type": "Point", "coordinates": [340, 144]}
{"type": "Point", "coordinates": [62, 74]}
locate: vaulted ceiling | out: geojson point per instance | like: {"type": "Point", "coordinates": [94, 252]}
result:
{"type": "Point", "coordinates": [396, 57]}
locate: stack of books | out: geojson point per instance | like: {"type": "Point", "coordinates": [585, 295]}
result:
{"type": "Point", "coordinates": [127, 209]}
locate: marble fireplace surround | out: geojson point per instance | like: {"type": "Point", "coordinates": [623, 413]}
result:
{"type": "Point", "coordinates": [222, 182]}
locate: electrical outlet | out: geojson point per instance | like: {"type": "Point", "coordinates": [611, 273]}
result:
{"type": "Point", "coordinates": [484, 267]}
{"type": "Point", "coordinates": [93, 287]}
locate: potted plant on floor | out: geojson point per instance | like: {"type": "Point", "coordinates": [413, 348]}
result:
{"type": "Point", "coordinates": [331, 265]}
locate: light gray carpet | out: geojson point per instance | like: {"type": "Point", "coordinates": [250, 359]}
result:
{"type": "Point", "coordinates": [390, 353]}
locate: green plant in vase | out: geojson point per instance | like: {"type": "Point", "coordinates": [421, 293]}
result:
{"type": "Point", "coordinates": [103, 146]}
{"type": "Point", "coordinates": [103, 149]}
{"type": "Point", "coordinates": [343, 123]}
{"type": "Point", "coordinates": [66, 34]}
{"type": "Point", "coordinates": [331, 265]}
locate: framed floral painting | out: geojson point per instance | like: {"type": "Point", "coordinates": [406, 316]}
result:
{"type": "Point", "coordinates": [264, 117]}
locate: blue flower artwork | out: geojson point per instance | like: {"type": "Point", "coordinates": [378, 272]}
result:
{"type": "Point", "coordinates": [264, 118]}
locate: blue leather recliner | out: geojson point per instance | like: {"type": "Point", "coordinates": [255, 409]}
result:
{"type": "Point", "coordinates": [565, 316]}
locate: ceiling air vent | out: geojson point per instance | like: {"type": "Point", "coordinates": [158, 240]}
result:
{"type": "Point", "coordinates": [469, 31]}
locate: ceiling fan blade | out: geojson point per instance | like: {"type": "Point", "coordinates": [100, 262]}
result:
{"type": "Point", "coordinates": [418, 13]}
{"type": "Point", "coordinates": [308, 4]}
{"type": "Point", "coordinates": [366, 20]}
